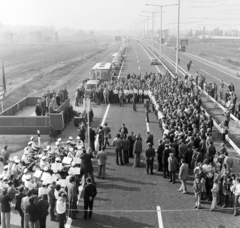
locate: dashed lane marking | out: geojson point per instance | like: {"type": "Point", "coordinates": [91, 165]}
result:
{"type": "Point", "coordinates": [160, 221]}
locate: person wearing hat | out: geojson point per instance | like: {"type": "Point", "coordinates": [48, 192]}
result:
{"type": "Point", "coordinates": [71, 153]}
{"type": "Point", "coordinates": [33, 143]}
{"type": "Point", "coordinates": [149, 154]}
{"type": "Point", "coordinates": [29, 184]}
{"type": "Point", "coordinates": [72, 197]}
{"type": "Point", "coordinates": [5, 201]}
{"type": "Point", "coordinates": [44, 163]}
{"type": "Point", "coordinates": [16, 171]}
{"type": "Point", "coordinates": [11, 191]}
{"type": "Point", "coordinates": [42, 191]}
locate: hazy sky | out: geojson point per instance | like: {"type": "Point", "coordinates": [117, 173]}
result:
{"type": "Point", "coordinates": [117, 14]}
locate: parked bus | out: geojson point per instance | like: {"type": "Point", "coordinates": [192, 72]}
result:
{"type": "Point", "coordinates": [101, 71]}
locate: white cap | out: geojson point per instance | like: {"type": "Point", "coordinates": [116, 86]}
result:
{"type": "Point", "coordinates": [34, 168]}
{"type": "Point", "coordinates": [5, 178]}
{"type": "Point", "coordinates": [70, 172]}
{"type": "Point", "coordinates": [25, 170]}
{"type": "Point", "coordinates": [44, 157]}
{"type": "Point", "coordinates": [17, 161]}
{"type": "Point", "coordinates": [28, 177]}
{"type": "Point", "coordinates": [10, 159]}
{"type": "Point", "coordinates": [57, 143]}
{"type": "Point", "coordinates": [29, 143]}
{"type": "Point", "coordinates": [31, 138]}
{"type": "Point", "coordinates": [45, 168]}
{"type": "Point", "coordinates": [68, 142]}
{"type": "Point", "coordinates": [55, 170]}
{"type": "Point", "coordinates": [48, 147]}
{"type": "Point", "coordinates": [59, 140]}
{"type": "Point", "coordinates": [78, 138]}
{"type": "Point", "coordinates": [1, 177]}
{"type": "Point", "coordinates": [15, 158]}
{"type": "Point", "coordinates": [58, 159]}
{"type": "Point", "coordinates": [73, 163]}
{"type": "Point", "coordinates": [71, 149]}
{"type": "Point", "coordinates": [6, 167]}
{"type": "Point", "coordinates": [70, 138]}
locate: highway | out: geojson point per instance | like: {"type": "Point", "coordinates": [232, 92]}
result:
{"type": "Point", "coordinates": [213, 72]}
{"type": "Point", "coordinates": [128, 197]}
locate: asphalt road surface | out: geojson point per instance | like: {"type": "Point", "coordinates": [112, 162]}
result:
{"type": "Point", "coordinates": [128, 197]}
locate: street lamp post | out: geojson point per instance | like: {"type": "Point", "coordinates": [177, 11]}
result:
{"type": "Point", "coordinates": [160, 43]}
{"type": "Point", "coordinates": [152, 25]}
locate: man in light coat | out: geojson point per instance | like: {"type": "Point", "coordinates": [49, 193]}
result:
{"type": "Point", "coordinates": [102, 159]}
{"type": "Point", "coordinates": [183, 175]}
{"type": "Point", "coordinates": [172, 167]}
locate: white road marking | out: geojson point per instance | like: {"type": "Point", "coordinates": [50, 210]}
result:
{"type": "Point", "coordinates": [147, 126]}
{"type": "Point", "coordinates": [213, 76]}
{"type": "Point", "coordinates": [139, 67]}
{"type": "Point", "coordinates": [103, 121]}
{"type": "Point", "coordinates": [160, 221]}
{"type": "Point", "coordinates": [138, 61]}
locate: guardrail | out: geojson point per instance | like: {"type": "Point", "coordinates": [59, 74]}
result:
{"type": "Point", "coordinates": [215, 123]}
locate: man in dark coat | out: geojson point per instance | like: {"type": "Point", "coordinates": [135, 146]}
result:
{"type": "Point", "coordinates": [165, 156]}
{"type": "Point", "coordinates": [131, 141]}
{"type": "Point", "coordinates": [149, 138]}
{"type": "Point", "coordinates": [90, 192]}
{"type": "Point", "coordinates": [43, 211]}
{"type": "Point", "coordinates": [150, 154]}
{"type": "Point", "coordinates": [51, 199]}
{"type": "Point", "coordinates": [123, 130]}
{"type": "Point", "coordinates": [72, 197]}
{"type": "Point", "coordinates": [19, 197]}
{"type": "Point", "coordinates": [160, 150]}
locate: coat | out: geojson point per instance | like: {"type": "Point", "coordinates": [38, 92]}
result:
{"type": "Point", "coordinates": [42, 208]}
{"type": "Point", "coordinates": [165, 155]}
{"type": "Point", "coordinates": [86, 162]}
{"type": "Point", "coordinates": [72, 192]}
{"type": "Point", "coordinates": [90, 191]}
{"type": "Point", "coordinates": [137, 148]}
{"type": "Point", "coordinates": [102, 157]}
{"type": "Point", "coordinates": [183, 171]}
{"type": "Point", "coordinates": [150, 139]}
{"type": "Point", "coordinates": [172, 164]}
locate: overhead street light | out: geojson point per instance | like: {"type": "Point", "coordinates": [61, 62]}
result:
{"type": "Point", "coordinates": [152, 25]}
{"type": "Point", "coordinates": [141, 28]}
{"type": "Point", "coordinates": [160, 46]}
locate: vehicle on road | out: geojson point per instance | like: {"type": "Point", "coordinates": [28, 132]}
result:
{"type": "Point", "coordinates": [155, 61]}
{"type": "Point", "coordinates": [101, 71]}
{"type": "Point", "coordinates": [92, 84]}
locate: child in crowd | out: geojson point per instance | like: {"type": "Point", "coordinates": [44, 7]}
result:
{"type": "Point", "coordinates": [214, 194]}
{"type": "Point", "coordinates": [197, 192]}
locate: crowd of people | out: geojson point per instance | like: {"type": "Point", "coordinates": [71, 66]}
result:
{"type": "Point", "coordinates": [188, 143]}
{"type": "Point", "coordinates": [50, 101]}
{"type": "Point", "coordinates": [48, 179]}
{"type": "Point", "coordinates": [122, 90]}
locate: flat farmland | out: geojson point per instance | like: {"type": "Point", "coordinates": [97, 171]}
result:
{"type": "Point", "coordinates": [222, 51]}
{"type": "Point", "coordinates": [32, 69]}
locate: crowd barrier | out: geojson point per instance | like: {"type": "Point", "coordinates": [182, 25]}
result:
{"type": "Point", "coordinates": [11, 124]}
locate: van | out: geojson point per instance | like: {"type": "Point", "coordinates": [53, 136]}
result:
{"type": "Point", "coordinates": [91, 84]}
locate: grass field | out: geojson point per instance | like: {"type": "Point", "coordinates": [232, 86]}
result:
{"type": "Point", "coordinates": [223, 51]}
{"type": "Point", "coordinates": [32, 69]}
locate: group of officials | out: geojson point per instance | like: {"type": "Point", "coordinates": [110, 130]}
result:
{"type": "Point", "coordinates": [121, 90]}
{"type": "Point", "coordinates": [48, 179]}
{"type": "Point", "coordinates": [50, 101]}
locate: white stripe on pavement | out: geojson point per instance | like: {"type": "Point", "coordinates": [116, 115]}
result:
{"type": "Point", "coordinates": [103, 121]}
{"type": "Point", "coordinates": [147, 126]}
{"type": "Point", "coordinates": [139, 67]}
{"type": "Point", "coordinates": [214, 76]}
{"type": "Point", "coordinates": [159, 214]}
